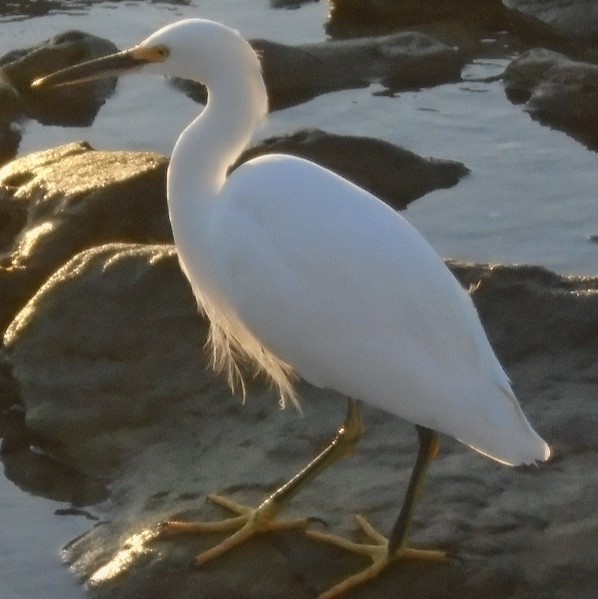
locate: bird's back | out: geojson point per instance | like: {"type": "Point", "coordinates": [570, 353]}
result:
{"type": "Point", "coordinates": [342, 288]}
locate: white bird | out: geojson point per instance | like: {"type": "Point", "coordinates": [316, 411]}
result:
{"type": "Point", "coordinates": [305, 274]}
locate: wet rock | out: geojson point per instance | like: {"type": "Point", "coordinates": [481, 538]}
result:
{"type": "Point", "coordinates": [570, 18]}
{"type": "Point", "coordinates": [10, 110]}
{"type": "Point", "coordinates": [58, 202]}
{"type": "Point", "coordinates": [558, 91]}
{"type": "Point", "coordinates": [10, 138]}
{"type": "Point", "coordinates": [402, 61]}
{"type": "Point", "coordinates": [295, 74]}
{"type": "Point", "coordinates": [289, 4]}
{"type": "Point", "coordinates": [109, 363]}
{"type": "Point", "coordinates": [394, 174]}
{"type": "Point", "coordinates": [55, 203]}
{"type": "Point", "coordinates": [402, 11]}
{"type": "Point", "coordinates": [18, 10]}
{"type": "Point", "coordinates": [41, 475]}
{"type": "Point", "coordinates": [349, 15]}
{"type": "Point", "coordinates": [10, 100]}
{"type": "Point", "coordinates": [100, 340]}
{"type": "Point", "coordinates": [67, 106]}
{"type": "Point", "coordinates": [566, 325]}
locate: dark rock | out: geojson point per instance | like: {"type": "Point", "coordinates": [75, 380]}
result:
{"type": "Point", "coordinates": [55, 203]}
{"type": "Point", "coordinates": [41, 475]}
{"type": "Point", "coordinates": [69, 105]}
{"type": "Point", "coordinates": [10, 138]}
{"type": "Point", "coordinates": [403, 12]}
{"type": "Point", "coordinates": [289, 4]}
{"type": "Point", "coordinates": [10, 100]}
{"type": "Point", "coordinates": [569, 18]}
{"type": "Point", "coordinates": [394, 174]}
{"type": "Point", "coordinates": [531, 309]}
{"type": "Point", "coordinates": [58, 202]}
{"type": "Point", "coordinates": [192, 89]}
{"type": "Point", "coordinates": [295, 74]}
{"type": "Point", "coordinates": [403, 61]}
{"type": "Point", "coordinates": [10, 110]}
{"type": "Point", "coordinates": [455, 22]}
{"type": "Point", "coordinates": [122, 356]}
{"type": "Point", "coordinates": [107, 356]}
{"type": "Point", "coordinates": [18, 10]}
{"type": "Point", "coordinates": [558, 91]}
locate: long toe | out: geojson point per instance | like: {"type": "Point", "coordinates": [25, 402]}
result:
{"type": "Point", "coordinates": [246, 524]}
{"type": "Point", "coordinates": [376, 551]}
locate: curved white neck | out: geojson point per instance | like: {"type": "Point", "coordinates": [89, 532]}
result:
{"type": "Point", "coordinates": [237, 102]}
{"type": "Point", "coordinates": [215, 139]}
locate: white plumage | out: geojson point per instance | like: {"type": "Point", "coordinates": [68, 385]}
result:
{"type": "Point", "coordinates": [302, 273]}
{"type": "Point", "coordinates": [300, 270]}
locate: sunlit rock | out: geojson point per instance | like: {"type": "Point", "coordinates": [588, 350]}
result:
{"type": "Point", "coordinates": [109, 362]}
{"type": "Point", "coordinates": [107, 344]}
{"type": "Point", "coordinates": [58, 202]}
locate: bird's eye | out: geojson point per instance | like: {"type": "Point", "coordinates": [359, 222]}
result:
{"type": "Point", "coordinates": [162, 52]}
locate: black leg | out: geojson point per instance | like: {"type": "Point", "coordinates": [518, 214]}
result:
{"type": "Point", "coordinates": [428, 448]}
{"type": "Point", "coordinates": [343, 444]}
{"type": "Point", "coordinates": [380, 550]}
{"type": "Point", "coordinates": [249, 521]}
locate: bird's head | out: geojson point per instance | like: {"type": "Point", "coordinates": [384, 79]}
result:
{"type": "Point", "coordinates": [191, 49]}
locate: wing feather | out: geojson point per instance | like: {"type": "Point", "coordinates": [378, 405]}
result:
{"type": "Point", "coordinates": [341, 288]}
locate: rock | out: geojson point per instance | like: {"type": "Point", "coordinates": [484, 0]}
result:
{"type": "Point", "coordinates": [55, 203]}
{"type": "Point", "coordinates": [58, 202]}
{"type": "Point", "coordinates": [394, 174]}
{"type": "Point", "coordinates": [569, 18]}
{"type": "Point", "coordinates": [10, 138]}
{"type": "Point", "coordinates": [558, 91]}
{"type": "Point", "coordinates": [10, 100]}
{"type": "Point", "coordinates": [402, 61]}
{"type": "Point", "coordinates": [123, 357]}
{"type": "Point", "coordinates": [289, 4]}
{"type": "Point", "coordinates": [547, 321]}
{"type": "Point", "coordinates": [295, 74]}
{"type": "Point", "coordinates": [67, 106]}
{"type": "Point", "coordinates": [461, 23]}
{"type": "Point", "coordinates": [10, 109]}
{"type": "Point", "coordinates": [107, 357]}
{"type": "Point", "coordinates": [404, 12]}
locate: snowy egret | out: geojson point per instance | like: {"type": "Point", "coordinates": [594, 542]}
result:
{"type": "Point", "coordinates": [304, 274]}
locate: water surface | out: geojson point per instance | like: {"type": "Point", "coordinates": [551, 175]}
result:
{"type": "Point", "coordinates": [530, 198]}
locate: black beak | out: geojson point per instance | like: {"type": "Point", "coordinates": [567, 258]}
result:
{"type": "Point", "coordinates": [107, 66]}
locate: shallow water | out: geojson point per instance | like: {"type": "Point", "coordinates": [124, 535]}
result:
{"type": "Point", "coordinates": [31, 537]}
{"type": "Point", "coordinates": [530, 198]}
{"type": "Point", "coordinates": [532, 194]}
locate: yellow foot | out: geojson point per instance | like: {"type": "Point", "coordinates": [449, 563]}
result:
{"type": "Point", "coordinates": [377, 552]}
{"type": "Point", "coordinates": [248, 522]}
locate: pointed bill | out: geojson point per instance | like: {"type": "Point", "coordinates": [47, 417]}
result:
{"type": "Point", "coordinates": [107, 66]}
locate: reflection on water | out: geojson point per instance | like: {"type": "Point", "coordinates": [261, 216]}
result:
{"type": "Point", "coordinates": [38, 8]}
{"type": "Point", "coordinates": [31, 538]}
